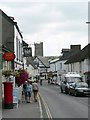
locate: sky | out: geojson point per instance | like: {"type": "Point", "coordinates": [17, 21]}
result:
{"type": "Point", "coordinates": [56, 23]}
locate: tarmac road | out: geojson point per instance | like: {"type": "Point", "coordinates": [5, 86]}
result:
{"type": "Point", "coordinates": [62, 105]}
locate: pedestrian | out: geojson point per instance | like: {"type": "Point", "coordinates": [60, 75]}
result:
{"type": "Point", "coordinates": [40, 81]}
{"type": "Point", "coordinates": [35, 90]}
{"type": "Point", "coordinates": [29, 91]}
{"type": "Point", "coordinates": [24, 91]}
{"type": "Point", "coordinates": [48, 81]}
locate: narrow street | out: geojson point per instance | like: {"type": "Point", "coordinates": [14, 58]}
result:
{"type": "Point", "coordinates": [62, 105]}
{"type": "Point", "coordinates": [42, 40]}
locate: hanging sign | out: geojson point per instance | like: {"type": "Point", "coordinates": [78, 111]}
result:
{"type": "Point", "coordinates": [9, 56]}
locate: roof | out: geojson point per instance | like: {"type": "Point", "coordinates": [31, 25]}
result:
{"type": "Point", "coordinates": [24, 44]}
{"type": "Point", "coordinates": [80, 56]}
{"type": "Point", "coordinates": [44, 61]}
{"type": "Point", "coordinates": [55, 60]}
{"type": "Point", "coordinates": [30, 60]}
{"type": "Point", "coordinates": [68, 55]}
{"type": "Point", "coordinates": [72, 74]}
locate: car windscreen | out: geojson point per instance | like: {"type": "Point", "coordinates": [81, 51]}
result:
{"type": "Point", "coordinates": [73, 79]}
{"type": "Point", "coordinates": [82, 85]}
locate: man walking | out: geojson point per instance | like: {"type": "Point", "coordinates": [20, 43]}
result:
{"type": "Point", "coordinates": [35, 90]}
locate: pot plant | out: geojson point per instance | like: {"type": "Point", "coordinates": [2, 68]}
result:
{"type": "Point", "coordinates": [7, 73]}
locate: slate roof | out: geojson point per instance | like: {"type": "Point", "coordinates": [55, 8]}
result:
{"type": "Point", "coordinates": [80, 56]}
{"type": "Point", "coordinates": [44, 61]}
{"type": "Point", "coordinates": [30, 60]}
{"type": "Point", "coordinates": [68, 55]}
{"type": "Point", "coordinates": [55, 60]}
{"type": "Point", "coordinates": [24, 43]}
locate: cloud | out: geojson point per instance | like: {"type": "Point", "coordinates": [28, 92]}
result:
{"type": "Point", "coordinates": [54, 43]}
{"type": "Point", "coordinates": [24, 1]}
{"type": "Point", "coordinates": [56, 24]}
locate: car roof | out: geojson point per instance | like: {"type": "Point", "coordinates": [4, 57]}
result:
{"type": "Point", "coordinates": [72, 74]}
{"type": "Point", "coordinates": [81, 83]}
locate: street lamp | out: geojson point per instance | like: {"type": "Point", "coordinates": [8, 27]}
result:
{"type": "Point", "coordinates": [87, 22]}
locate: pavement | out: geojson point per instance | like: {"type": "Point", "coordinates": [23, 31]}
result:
{"type": "Point", "coordinates": [24, 110]}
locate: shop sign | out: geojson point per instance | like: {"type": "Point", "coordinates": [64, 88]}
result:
{"type": "Point", "coordinates": [9, 56]}
{"type": "Point", "coordinates": [27, 52]}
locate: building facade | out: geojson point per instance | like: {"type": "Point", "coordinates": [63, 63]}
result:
{"type": "Point", "coordinates": [11, 42]}
{"type": "Point", "coordinates": [80, 62]}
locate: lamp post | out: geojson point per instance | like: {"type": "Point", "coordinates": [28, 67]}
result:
{"type": "Point", "coordinates": [88, 74]}
{"type": "Point", "coordinates": [87, 22]}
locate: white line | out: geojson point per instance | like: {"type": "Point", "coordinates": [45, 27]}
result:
{"type": "Point", "coordinates": [40, 107]}
{"type": "Point", "coordinates": [46, 108]}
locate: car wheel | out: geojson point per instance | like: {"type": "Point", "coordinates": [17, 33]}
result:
{"type": "Point", "coordinates": [61, 90]}
{"type": "Point", "coordinates": [69, 92]}
{"type": "Point", "coordinates": [75, 94]}
{"type": "Point", "coordinates": [66, 91]}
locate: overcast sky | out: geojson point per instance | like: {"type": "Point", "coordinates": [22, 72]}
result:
{"type": "Point", "coordinates": [55, 23]}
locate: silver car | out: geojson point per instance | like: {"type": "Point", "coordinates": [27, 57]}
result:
{"type": "Point", "coordinates": [79, 89]}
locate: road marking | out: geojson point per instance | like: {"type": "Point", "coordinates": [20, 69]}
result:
{"type": "Point", "coordinates": [40, 107]}
{"type": "Point", "coordinates": [46, 108]}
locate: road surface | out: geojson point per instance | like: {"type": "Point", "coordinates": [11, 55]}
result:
{"type": "Point", "coordinates": [63, 105]}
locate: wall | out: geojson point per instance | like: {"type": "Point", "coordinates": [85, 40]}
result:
{"type": "Point", "coordinates": [84, 67]}
{"type": "Point", "coordinates": [0, 64]}
{"type": "Point", "coordinates": [7, 32]}
{"type": "Point", "coordinates": [7, 36]}
{"type": "Point", "coordinates": [17, 49]}
{"type": "Point", "coordinates": [52, 67]}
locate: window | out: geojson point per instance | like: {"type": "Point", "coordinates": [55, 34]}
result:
{"type": "Point", "coordinates": [17, 47]}
{"type": "Point", "coordinates": [80, 66]}
{"type": "Point", "coordinates": [61, 66]}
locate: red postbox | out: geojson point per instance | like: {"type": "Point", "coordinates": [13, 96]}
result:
{"type": "Point", "coordinates": [8, 95]}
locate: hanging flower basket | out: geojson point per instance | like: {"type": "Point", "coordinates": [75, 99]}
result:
{"type": "Point", "coordinates": [21, 76]}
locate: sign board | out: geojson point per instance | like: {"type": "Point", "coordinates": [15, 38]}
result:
{"type": "Point", "coordinates": [27, 51]}
{"type": "Point", "coordinates": [9, 56]}
{"type": "Point", "coordinates": [15, 96]}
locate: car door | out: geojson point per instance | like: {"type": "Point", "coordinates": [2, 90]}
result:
{"type": "Point", "coordinates": [64, 85]}
{"type": "Point", "coordinates": [72, 88]}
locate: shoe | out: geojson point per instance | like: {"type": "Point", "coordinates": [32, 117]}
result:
{"type": "Point", "coordinates": [35, 100]}
{"type": "Point", "coordinates": [28, 102]}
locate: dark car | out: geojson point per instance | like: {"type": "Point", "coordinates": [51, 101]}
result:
{"type": "Point", "coordinates": [79, 89]}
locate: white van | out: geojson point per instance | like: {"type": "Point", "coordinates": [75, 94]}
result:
{"type": "Point", "coordinates": [67, 79]}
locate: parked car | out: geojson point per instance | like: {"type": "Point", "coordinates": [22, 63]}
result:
{"type": "Point", "coordinates": [67, 79]}
{"type": "Point", "coordinates": [31, 79]}
{"type": "Point", "coordinates": [79, 89]}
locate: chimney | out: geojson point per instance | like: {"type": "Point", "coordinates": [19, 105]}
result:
{"type": "Point", "coordinates": [65, 51]}
{"type": "Point", "coordinates": [75, 48]}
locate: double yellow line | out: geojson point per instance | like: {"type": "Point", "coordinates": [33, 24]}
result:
{"type": "Point", "coordinates": [46, 108]}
